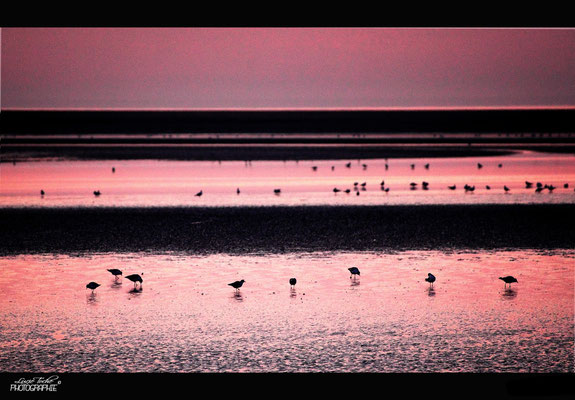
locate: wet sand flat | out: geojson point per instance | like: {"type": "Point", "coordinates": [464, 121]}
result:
{"type": "Point", "coordinates": [185, 318]}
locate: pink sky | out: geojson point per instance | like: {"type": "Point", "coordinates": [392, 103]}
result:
{"type": "Point", "coordinates": [286, 68]}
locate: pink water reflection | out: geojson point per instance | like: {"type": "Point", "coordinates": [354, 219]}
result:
{"type": "Point", "coordinates": [186, 317]}
{"type": "Point", "coordinates": [174, 183]}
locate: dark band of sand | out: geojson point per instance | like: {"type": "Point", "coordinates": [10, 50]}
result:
{"type": "Point", "coordinates": [279, 229]}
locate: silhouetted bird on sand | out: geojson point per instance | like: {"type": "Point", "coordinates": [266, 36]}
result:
{"type": "Point", "coordinates": [277, 191]}
{"type": "Point", "coordinates": [335, 190]}
{"type": "Point", "coordinates": [115, 272]}
{"type": "Point", "coordinates": [354, 271]}
{"type": "Point", "coordinates": [92, 285]}
{"type": "Point", "coordinates": [238, 190]}
{"type": "Point", "coordinates": [314, 168]}
{"type": "Point", "coordinates": [42, 193]}
{"type": "Point", "coordinates": [506, 188]}
{"type": "Point", "coordinates": [237, 284]}
{"type": "Point", "coordinates": [292, 282]}
{"type": "Point", "coordinates": [479, 166]}
{"type": "Point", "coordinates": [97, 193]}
{"type": "Point", "coordinates": [508, 280]}
{"type": "Point", "coordinates": [487, 187]}
{"type": "Point", "coordinates": [452, 187]}
{"type": "Point", "coordinates": [348, 165]}
{"type": "Point", "coordinates": [426, 166]}
{"type": "Point", "coordinates": [347, 190]}
{"type": "Point", "coordinates": [199, 193]}
{"type": "Point", "coordinates": [430, 278]}
{"type": "Point", "coordinates": [135, 278]}
{"type": "Point", "coordinates": [528, 185]}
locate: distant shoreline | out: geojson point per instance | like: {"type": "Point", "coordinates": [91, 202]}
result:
{"type": "Point", "coordinates": [285, 121]}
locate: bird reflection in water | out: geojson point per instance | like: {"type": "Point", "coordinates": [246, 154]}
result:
{"type": "Point", "coordinates": [355, 282]}
{"type": "Point", "coordinates": [92, 298]}
{"type": "Point", "coordinates": [238, 296]}
{"type": "Point", "coordinates": [509, 294]}
{"type": "Point", "coordinates": [136, 290]}
{"type": "Point", "coordinates": [430, 291]}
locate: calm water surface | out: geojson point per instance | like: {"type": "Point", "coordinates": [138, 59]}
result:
{"type": "Point", "coordinates": [186, 318]}
{"type": "Point", "coordinates": [144, 183]}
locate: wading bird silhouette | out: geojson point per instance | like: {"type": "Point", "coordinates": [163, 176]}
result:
{"type": "Point", "coordinates": [430, 278]}
{"type": "Point", "coordinates": [508, 280]}
{"type": "Point", "coordinates": [237, 284]}
{"type": "Point", "coordinates": [136, 278]}
{"type": "Point", "coordinates": [92, 285]}
{"type": "Point", "coordinates": [115, 272]}
{"type": "Point", "coordinates": [353, 271]}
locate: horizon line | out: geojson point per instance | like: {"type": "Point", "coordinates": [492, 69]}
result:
{"type": "Point", "coordinates": [296, 109]}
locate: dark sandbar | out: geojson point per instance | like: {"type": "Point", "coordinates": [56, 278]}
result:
{"type": "Point", "coordinates": [282, 229]}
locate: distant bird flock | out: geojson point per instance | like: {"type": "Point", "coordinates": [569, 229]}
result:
{"type": "Point", "coordinates": [539, 187]}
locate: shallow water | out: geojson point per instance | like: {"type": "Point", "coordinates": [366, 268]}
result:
{"type": "Point", "coordinates": [186, 318]}
{"type": "Point", "coordinates": [146, 183]}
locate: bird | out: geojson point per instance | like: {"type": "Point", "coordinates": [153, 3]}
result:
{"type": "Point", "coordinates": [314, 168]}
{"type": "Point", "coordinates": [92, 285]}
{"type": "Point", "coordinates": [292, 282]}
{"type": "Point", "coordinates": [363, 184]}
{"type": "Point", "coordinates": [113, 169]}
{"type": "Point", "coordinates": [430, 278]}
{"type": "Point", "coordinates": [353, 271]}
{"type": "Point", "coordinates": [347, 190]}
{"type": "Point", "coordinates": [508, 280]}
{"type": "Point", "coordinates": [237, 284]}
{"type": "Point", "coordinates": [566, 185]}
{"type": "Point", "coordinates": [336, 190]}
{"type": "Point", "coordinates": [412, 166]}
{"type": "Point", "coordinates": [348, 165]}
{"type": "Point", "coordinates": [42, 193]}
{"type": "Point", "coordinates": [386, 190]}
{"type": "Point", "coordinates": [426, 166]}
{"type": "Point", "coordinates": [500, 165]}
{"type": "Point", "coordinates": [277, 191]}
{"type": "Point", "coordinates": [364, 166]}
{"type": "Point", "coordinates": [479, 166]}
{"type": "Point", "coordinates": [238, 190]}
{"type": "Point", "coordinates": [528, 184]}
{"type": "Point", "coordinates": [382, 183]}
{"type": "Point", "coordinates": [96, 193]}
{"type": "Point", "coordinates": [452, 187]}
{"type": "Point", "coordinates": [115, 272]}
{"type": "Point", "coordinates": [135, 278]}
{"type": "Point", "coordinates": [487, 187]}
{"type": "Point", "coordinates": [199, 193]}
{"type": "Point", "coordinates": [386, 166]}
{"type": "Point", "coordinates": [425, 185]}
{"type": "Point", "coordinates": [506, 188]}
